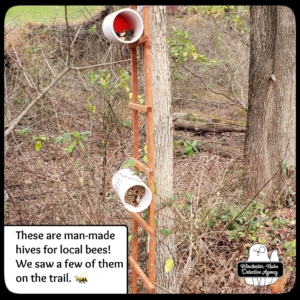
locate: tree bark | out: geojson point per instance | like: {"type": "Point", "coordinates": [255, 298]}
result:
{"type": "Point", "coordinates": [271, 132]}
{"type": "Point", "coordinates": [163, 145]}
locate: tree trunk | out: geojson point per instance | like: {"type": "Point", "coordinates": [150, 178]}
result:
{"type": "Point", "coordinates": [163, 145]}
{"type": "Point", "coordinates": [271, 132]}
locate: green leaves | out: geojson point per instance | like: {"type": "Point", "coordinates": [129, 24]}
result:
{"type": "Point", "coordinates": [128, 164]}
{"type": "Point", "coordinates": [77, 139]}
{"type": "Point", "coordinates": [190, 148]}
{"type": "Point", "coordinates": [145, 157]}
{"type": "Point", "coordinates": [71, 147]}
{"type": "Point", "coordinates": [85, 133]}
{"type": "Point", "coordinates": [131, 237]}
{"type": "Point", "coordinates": [125, 79]}
{"type": "Point", "coordinates": [141, 99]}
{"type": "Point", "coordinates": [91, 107]}
{"type": "Point", "coordinates": [126, 123]}
{"type": "Point", "coordinates": [169, 264]}
{"type": "Point", "coordinates": [92, 29]}
{"type": "Point", "coordinates": [284, 167]}
{"type": "Point", "coordinates": [182, 49]}
{"type": "Point", "coordinates": [39, 139]}
{"type": "Point", "coordinates": [23, 131]}
{"type": "Point", "coordinates": [38, 146]}
{"type": "Point", "coordinates": [76, 134]}
{"type": "Point", "coordinates": [175, 143]}
{"type": "Point", "coordinates": [66, 137]}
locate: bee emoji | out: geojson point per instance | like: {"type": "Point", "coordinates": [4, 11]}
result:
{"type": "Point", "coordinates": [82, 278]}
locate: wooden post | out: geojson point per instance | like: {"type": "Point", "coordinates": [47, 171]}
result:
{"type": "Point", "coordinates": [149, 169]}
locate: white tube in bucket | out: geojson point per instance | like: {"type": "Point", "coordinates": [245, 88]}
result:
{"type": "Point", "coordinates": [123, 19]}
{"type": "Point", "coordinates": [125, 179]}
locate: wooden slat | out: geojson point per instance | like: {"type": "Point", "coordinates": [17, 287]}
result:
{"type": "Point", "coordinates": [142, 40]}
{"type": "Point", "coordinates": [143, 223]}
{"type": "Point", "coordinates": [140, 166]}
{"type": "Point", "coordinates": [139, 107]}
{"type": "Point", "coordinates": [142, 275]}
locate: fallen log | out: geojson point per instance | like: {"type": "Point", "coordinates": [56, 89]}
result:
{"type": "Point", "coordinates": [197, 123]}
{"type": "Point", "coordinates": [215, 148]}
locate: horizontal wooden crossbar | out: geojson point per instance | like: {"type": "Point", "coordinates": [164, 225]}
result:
{"type": "Point", "coordinates": [142, 275]}
{"type": "Point", "coordinates": [140, 41]}
{"type": "Point", "coordinates": [143, 223]}
{"type": "Point", "coordinates": [140, 107]}
{"type": "Point", "coordinates": [140, 166]}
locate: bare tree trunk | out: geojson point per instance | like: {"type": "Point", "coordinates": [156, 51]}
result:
{"type": "Point", "coordinates": [271, 131]}
{"type": "Point", "coordinates": [163, 141]}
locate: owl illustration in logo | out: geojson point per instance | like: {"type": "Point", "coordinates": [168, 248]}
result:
{"type": "Point", "coordinates": [259, 253]}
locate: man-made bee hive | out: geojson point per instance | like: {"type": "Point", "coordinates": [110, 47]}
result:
{"type": "Point", "coordinates": [134, 194]}
{"type": "Point", "coordinates": [132, 191]}
{"type": "Point", "coordinates": [126, 21]}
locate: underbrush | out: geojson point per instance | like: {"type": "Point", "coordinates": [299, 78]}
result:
{"type": "Point", "coordinates": [215, 224]}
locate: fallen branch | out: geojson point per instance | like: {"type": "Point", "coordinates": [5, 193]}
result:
{"type": "Point", "coordinates": [194, 122]}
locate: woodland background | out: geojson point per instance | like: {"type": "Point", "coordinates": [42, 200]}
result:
{"type": "Point", "coordinates": [61, 156]}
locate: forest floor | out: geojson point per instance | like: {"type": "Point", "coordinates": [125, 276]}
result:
{"type": "Point", "coordinates": [200, 184]}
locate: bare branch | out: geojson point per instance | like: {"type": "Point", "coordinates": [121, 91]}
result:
{"type": "Point", "coordinates": [48, 62]}
{"type": "Point", "coordinates": [27, 76]}
{"type": "Point", "coordinates": [11, 21]}
{"type": "Point", "coordinates": [68, 38]}
{"type": "Point", "coordinates": [234, 33]}
{"type": "Point", "coordinates": [218, 93]}
{"type": "Point", "coordinates": [75, 36]}
{"type": "Point", "coordinates": [100, 65]}
{"type": "Point", "coordinates": [19, 118]}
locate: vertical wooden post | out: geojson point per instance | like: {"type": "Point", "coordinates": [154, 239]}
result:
{"type": "Point", "coordinates": [137, 220]}
{"type": "Point", "coordinates": [135, 242]}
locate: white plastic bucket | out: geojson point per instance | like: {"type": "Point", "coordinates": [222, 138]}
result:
{"type": "Point", "coordinates": [120, 20]}
{"type": "Point", "coordinates": [122, 181]}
